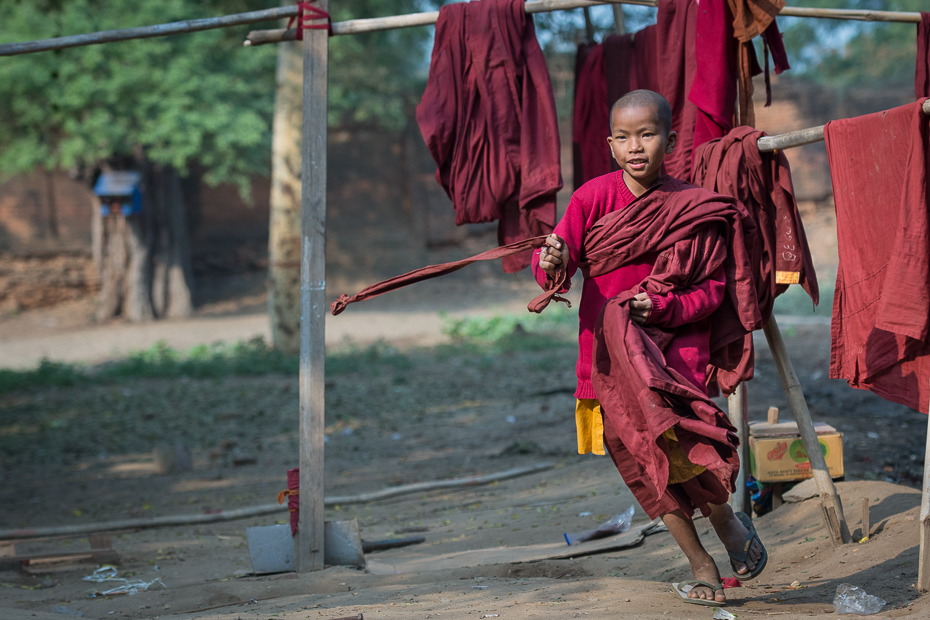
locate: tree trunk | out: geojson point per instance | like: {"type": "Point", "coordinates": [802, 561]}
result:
{"type": "Point", "coordinates": [145, 258]}
{"type": "Point", "coordinates": [113, 266]}
{"type": "Point", "coordinates": [172, 282]}
{"type": "Point", "coordinates": [284, 226]}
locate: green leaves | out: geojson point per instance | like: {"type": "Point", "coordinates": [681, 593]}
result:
{"type": "Point", "coordinates": [194, 99]}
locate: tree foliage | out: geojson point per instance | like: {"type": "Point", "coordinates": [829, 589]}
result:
{"type": "Point", "coordinates": [197, 99]}
{"type": "Point", "coordinates": [848, 54]}
{"type": "Point", "coordinates": [193, 99]}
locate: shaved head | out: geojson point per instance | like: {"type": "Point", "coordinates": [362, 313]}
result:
{"type": "Point", "coordinates": [645, 99]}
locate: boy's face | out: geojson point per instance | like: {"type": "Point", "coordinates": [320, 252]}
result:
{"type": "Point", "coordinates": [639, 143]}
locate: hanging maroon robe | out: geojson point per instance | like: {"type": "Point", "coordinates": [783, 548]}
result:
{"type": "Point", "coordinates": [881, 308]}
{"type": "Point", "coordinates": [488, 117]}
{"type": "Point", "coordinates": [699, 82]}
{"type": "Point", "coordinates": [922, 73]}
{"type": "Point", "coordinates": [733, 166]}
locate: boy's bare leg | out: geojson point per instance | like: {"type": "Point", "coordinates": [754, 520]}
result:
{"type": "Point", "coordinates": [732, 534]}
{"type": "Point", "coordinates": [702, 565]}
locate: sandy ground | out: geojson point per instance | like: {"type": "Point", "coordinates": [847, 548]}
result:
{"type": "Point", "coordinates": [438, 418]}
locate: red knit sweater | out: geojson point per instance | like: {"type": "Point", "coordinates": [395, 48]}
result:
{"type": "Point", "coordinates": [685, 310]}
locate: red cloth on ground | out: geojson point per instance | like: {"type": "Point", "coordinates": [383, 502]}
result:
{"type": "Point", "coordinates": [488, 117]}
{"type": "Point", "coordinates": [685, 309]}
{"type": "Point", "coordinates": [733, 166]}
{"type": "Point", "coordinates": [881, 308]}
{"type": "Point", "coordinates": [922, 73]}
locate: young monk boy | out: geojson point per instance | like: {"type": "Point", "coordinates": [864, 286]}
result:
{"type": "Point", "coordinates": [691, 450]}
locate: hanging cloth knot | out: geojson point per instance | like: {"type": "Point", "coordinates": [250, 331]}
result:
{"type": "Point", "coordinates": [307, 13]}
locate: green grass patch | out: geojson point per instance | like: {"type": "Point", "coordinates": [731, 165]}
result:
{"type": "Point", "coordinates": [216, 361]}
{"type": "Point", "coordinates": [512, 332]}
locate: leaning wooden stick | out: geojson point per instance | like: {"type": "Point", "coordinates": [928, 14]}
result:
{"type": "Point", "coordinates": [830, 505]}
{"type": "Point", "coordinates": [923, 565]}
{"type": "Point", "coordinates": [738, 413]}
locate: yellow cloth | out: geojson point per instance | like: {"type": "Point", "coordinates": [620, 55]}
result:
{"type": "Point", "coordinates": [589, 425]}
{"type": "Point", "coordinates": [680, 469]}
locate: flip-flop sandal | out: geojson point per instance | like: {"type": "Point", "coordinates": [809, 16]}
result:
{"type": "Point", "coordinates": [685, 587]}
{"type": "Point", "coordinates": [743, 556]}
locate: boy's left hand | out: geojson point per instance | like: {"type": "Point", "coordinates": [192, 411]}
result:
{"type": "Point", "coordinates": [640, 308]}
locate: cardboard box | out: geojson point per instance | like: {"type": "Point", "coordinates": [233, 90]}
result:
{"type": "Point", "coordinates": [779, 459]}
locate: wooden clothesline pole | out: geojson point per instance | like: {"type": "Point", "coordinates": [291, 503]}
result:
{"type": "Point", "coordinates": [803, 136]}
{"type": "Point", "coordinates": [356, 26]}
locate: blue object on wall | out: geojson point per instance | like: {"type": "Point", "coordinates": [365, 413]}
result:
{"type": "Point", "coordinates": [123, 187]}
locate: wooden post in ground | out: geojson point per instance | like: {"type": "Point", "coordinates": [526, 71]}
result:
{"type": "Point", "coordinates": [923, 565]}
{"type": "Point", "coordinates": [831, 507]}
{"type": "Point", "coordinates": [738, 403]}
{"type": "Point", "coordinates": [312, 296]}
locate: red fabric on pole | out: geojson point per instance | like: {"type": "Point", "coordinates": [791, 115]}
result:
{"type": "Point", "coordinates": [488, 117]}
{"type": "Point", "coordinates": [676, 67]}
{"type": "Point", "coordinates": [591, 120]}
{"type": "Point", "coordinates": [293, 498]}
{"type": "Point", "coordinates": [881, 308]}
{"type": "Point", "coordinates": [307, 13]}
{"type": "Point", "coordinates": [733, 166]}
{"type": "Point", "coordinates": [689, 57]}
{"type": "Point", "coordinates": [714, 89]}
{"type": "Point", "coordinates": [922, 73]}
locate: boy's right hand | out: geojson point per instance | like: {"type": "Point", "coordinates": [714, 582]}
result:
{"type": "Point", "coordinates": [550, 257]}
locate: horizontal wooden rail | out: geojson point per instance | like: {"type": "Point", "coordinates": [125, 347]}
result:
{"type": "Point", "coordinates": [146, 32]}
{"type": "Point", "coordinates": [803, 136]}
{"type": "Point", "coordinates": [394, 22]}
{"type": "Point", "coordinates": [854, 14]}
{"type": "Point", "coordinates": [355, 26]}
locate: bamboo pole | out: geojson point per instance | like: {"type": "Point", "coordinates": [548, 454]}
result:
{"type": "Point", "coordinates": [852, 14]}
{"type": "Point", "coordinates": [831, 507]}
{"type": "Point", "coordinates": [371, 25]}
{"type": "Point", "coordinates": [146, 32]}
{"type": "Point", "coordinates": [923, 564]}
{"type": "Point", "coordinates": [801, 137]}
{"type": "Point", "coordinates": [69, 531]}
{"type": "Point", "coordinates": [393, 22]}
{"type": "Point", "coordinates": [738, 403]}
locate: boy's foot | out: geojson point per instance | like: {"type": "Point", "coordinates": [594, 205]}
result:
{"type": "Point", "coordinates": [733, 534]}
{"type": "Point", "coordinates": [710, 574]}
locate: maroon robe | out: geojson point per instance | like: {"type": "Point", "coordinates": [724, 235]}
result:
{"type": "Point", "coordinates": [733, 166]}
{"type": "Point", "coordinates": [488, 117]}
{"type": "Point", "coordinates": [881, 308]}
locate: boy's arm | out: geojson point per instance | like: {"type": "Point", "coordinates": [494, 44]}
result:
{"type": "Point", "coordinates": [571, 228]}
{"type": "Point", "coordinates": [688, 305]}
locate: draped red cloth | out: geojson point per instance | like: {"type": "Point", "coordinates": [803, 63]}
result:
{"type": "Point", "coordinates": [688, 56]}
{"type": "Point", "coordinates": [881, 308]}
{"type": "Point", "coordinates": [734, 166]}
{"type": "Point", "coordinates": [488, 117]}
{"type": "Point", "coordinates": [696, 232]}
{"type": "Point", "coordinates": [922, 73]}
